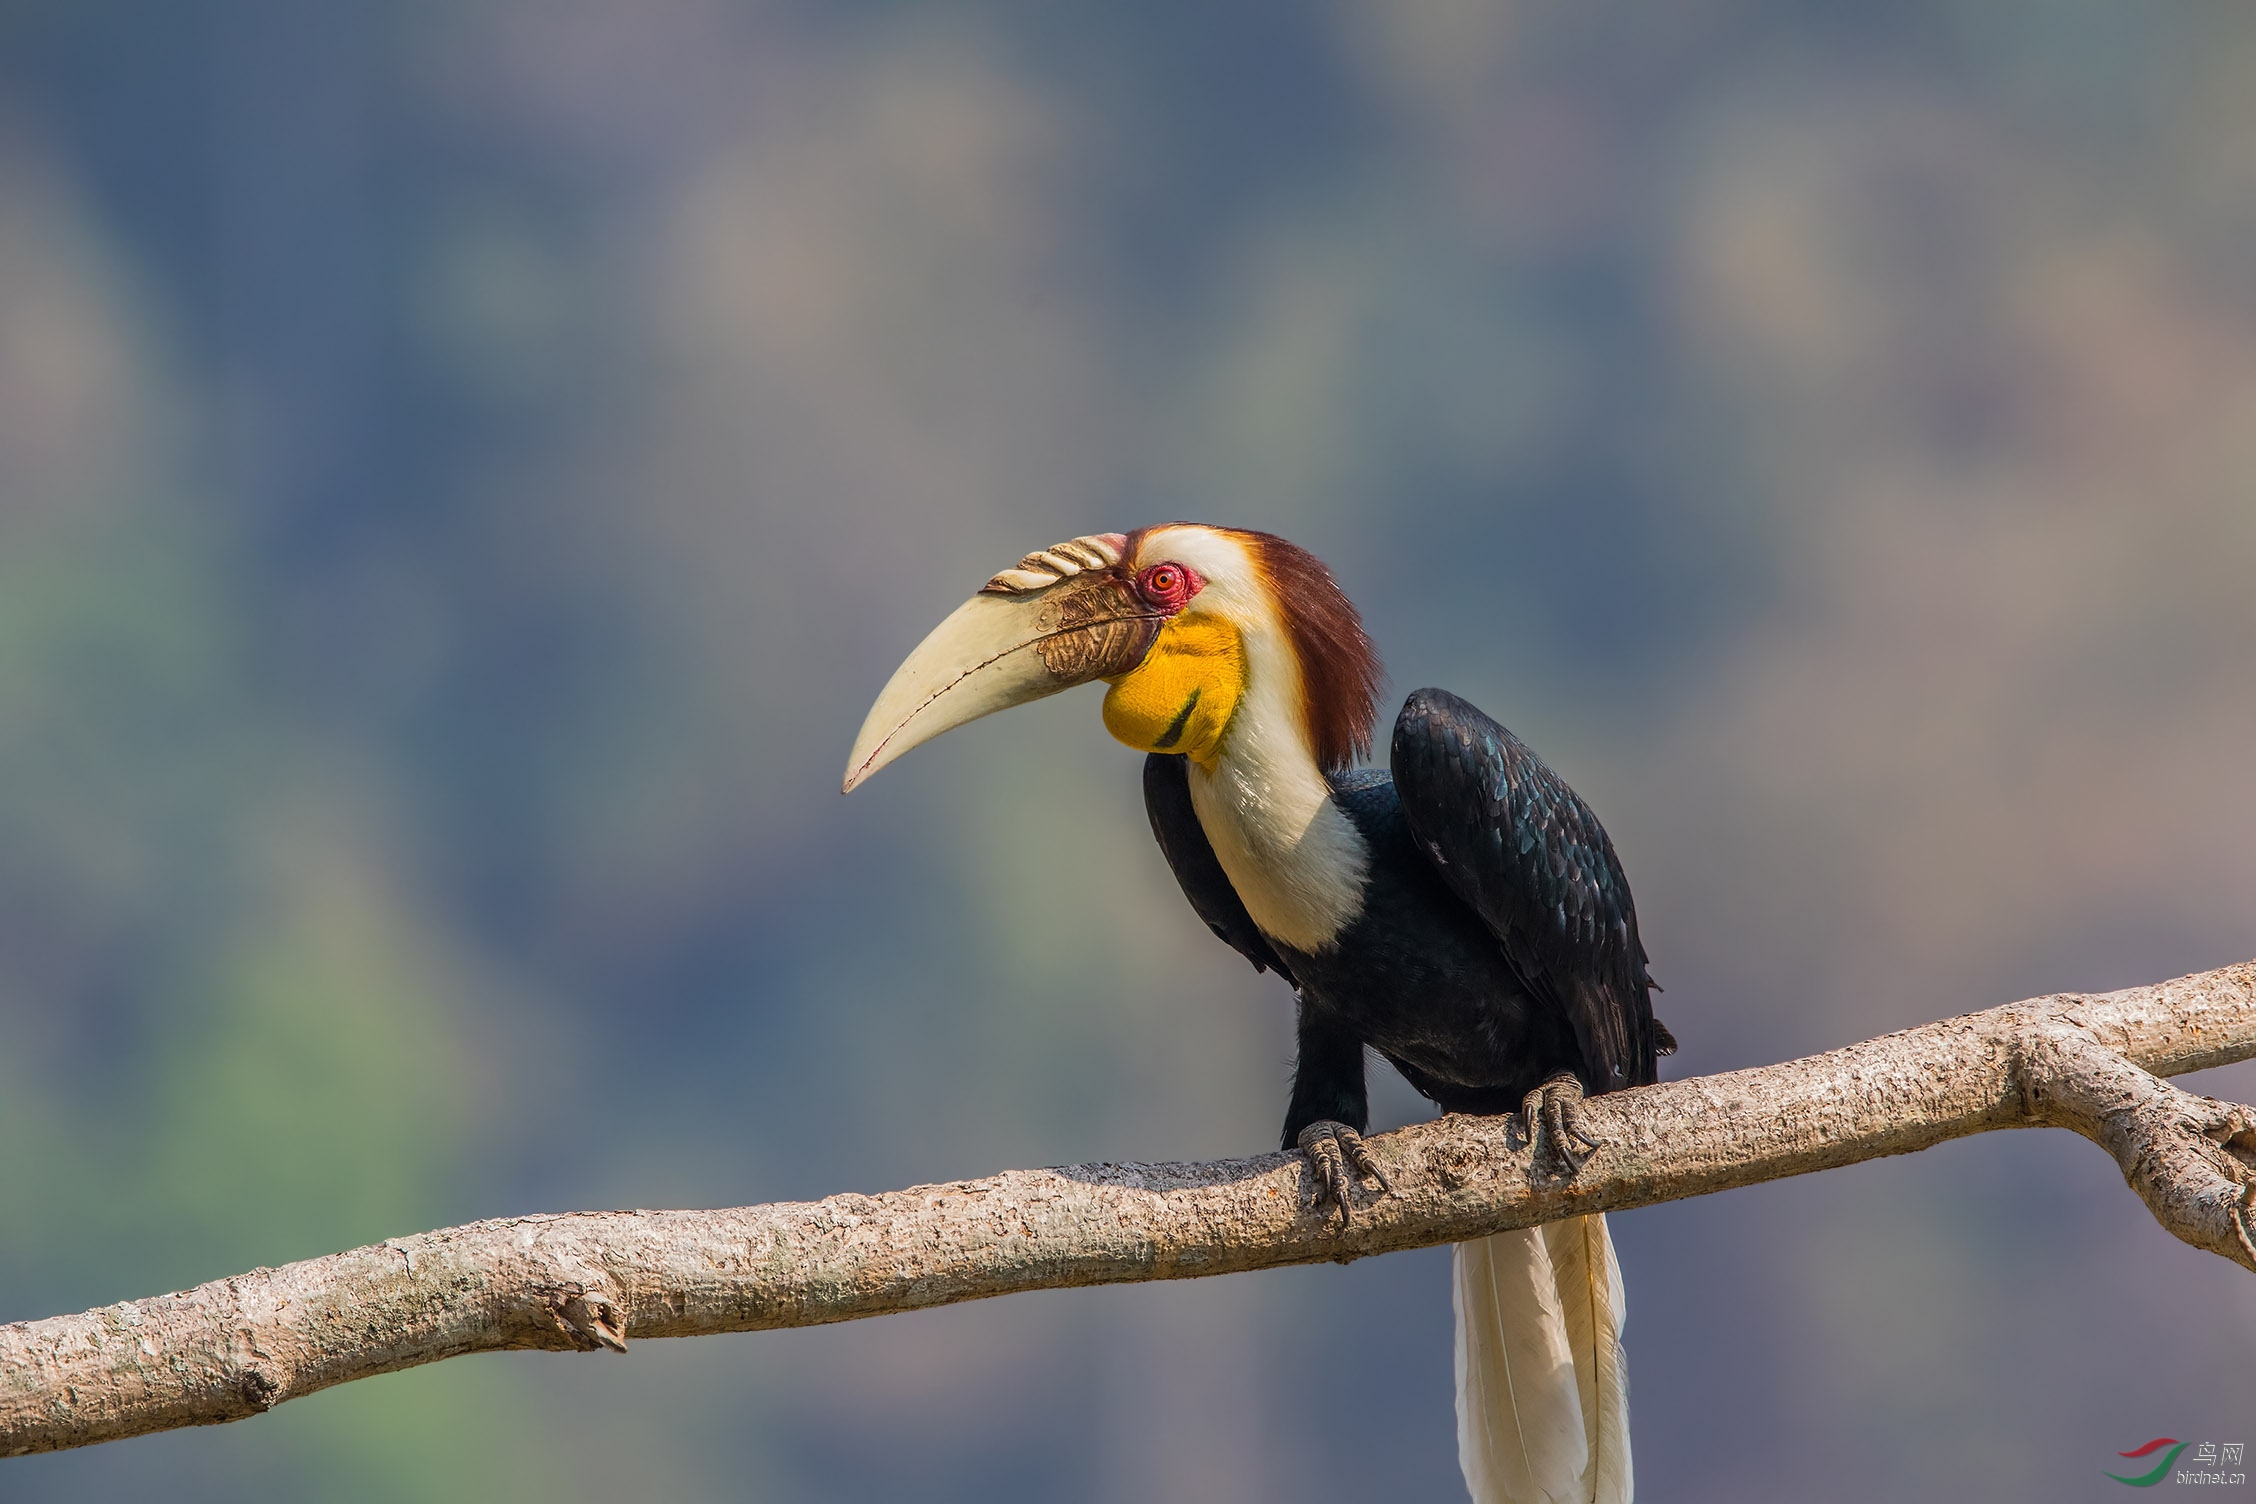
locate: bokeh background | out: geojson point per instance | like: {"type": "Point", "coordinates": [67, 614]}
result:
{"type": "Point", "coordinates": [465, 469]}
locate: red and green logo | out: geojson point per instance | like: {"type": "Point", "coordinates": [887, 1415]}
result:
{"type": "Point", "coordinates": [2161, 1469]}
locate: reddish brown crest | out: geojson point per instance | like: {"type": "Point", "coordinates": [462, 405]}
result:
{"type": "Point", "coordinates": [1339, 669]}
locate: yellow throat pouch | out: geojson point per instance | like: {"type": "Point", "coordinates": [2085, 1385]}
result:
{"type": "Point", "coordinates": [1181, 697]}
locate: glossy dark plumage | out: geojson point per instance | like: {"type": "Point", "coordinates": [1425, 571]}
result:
{"type": "Point", "coordinates": [1523, 850]}
{"type": "Point", "coordinates": [1497, 944]}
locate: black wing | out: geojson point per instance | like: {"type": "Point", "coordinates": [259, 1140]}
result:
{"type": "Point", "coordinates": [1526, 854]}
{"type": "Point", "coordinates": [1167, 799]}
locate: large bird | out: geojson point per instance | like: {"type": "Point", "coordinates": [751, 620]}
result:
{"type": "Point", "coordinates": [1463, 914]}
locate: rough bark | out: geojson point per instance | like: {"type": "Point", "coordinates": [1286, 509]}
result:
{"type": "Point", "coordinates": [241, 1346]}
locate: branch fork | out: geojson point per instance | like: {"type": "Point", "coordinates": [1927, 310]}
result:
{"type": "Point", "coordinates": [2191, 1159]}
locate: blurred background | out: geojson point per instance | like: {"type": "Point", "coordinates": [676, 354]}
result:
{"type": "Point", "coordinates": [465, 469]}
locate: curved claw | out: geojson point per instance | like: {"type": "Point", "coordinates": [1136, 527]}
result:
{"type": "Point", "coordinates": [1331, 1148]}
{"type": "Point", "coordinates": [1551, 1117]}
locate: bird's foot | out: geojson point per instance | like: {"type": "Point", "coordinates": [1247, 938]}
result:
{"type": "Point", "coordinates": [1551, 1117]}
{"type": "Point", "coordinates": [1331, 1149]}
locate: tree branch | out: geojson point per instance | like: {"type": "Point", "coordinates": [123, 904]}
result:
{"type": "Point", "coordinates": [241, 1346]}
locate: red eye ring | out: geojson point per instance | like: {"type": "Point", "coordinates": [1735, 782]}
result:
{"type": "Point", "coordinates": [1168, 586]}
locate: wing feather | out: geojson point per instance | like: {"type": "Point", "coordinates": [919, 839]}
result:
{"type": "Point", "coordinates": [1520, 847]}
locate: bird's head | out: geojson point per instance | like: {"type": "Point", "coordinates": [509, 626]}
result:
{"type": "Point", "coordinates": [1200, 631]}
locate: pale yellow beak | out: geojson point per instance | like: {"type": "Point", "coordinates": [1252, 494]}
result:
{"type": "Point", "coordinates": [1004, 647]}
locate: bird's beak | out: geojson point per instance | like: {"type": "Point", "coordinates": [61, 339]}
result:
{"type": "Point", "coordinates": [1030, 633]}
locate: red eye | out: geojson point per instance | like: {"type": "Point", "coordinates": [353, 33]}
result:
{"type": "Point", "coordinates": [1168, 586]}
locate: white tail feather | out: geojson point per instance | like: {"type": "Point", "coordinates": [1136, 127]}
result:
{"type": "Point", "coordinates": [1542, 1391]}
{"type": "Point", "coordinates": [1520, 1436]}
{"type": "Point", "coordinates": [1590, 1298]}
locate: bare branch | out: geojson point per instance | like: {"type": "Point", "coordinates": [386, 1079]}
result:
{"type": "Point", "coordinates": [240, 1346]}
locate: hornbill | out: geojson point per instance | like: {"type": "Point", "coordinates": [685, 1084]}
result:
{"type": "Point", "coordinates": [1462, 913]}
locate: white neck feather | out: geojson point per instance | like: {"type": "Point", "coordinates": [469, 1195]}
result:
{"type": "Point", "coordinates": [1296, 860]}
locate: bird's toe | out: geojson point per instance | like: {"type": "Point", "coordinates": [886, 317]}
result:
{"type": "Point", "coordinates": [1551, 1118]}
{"type": "Point", "coordinates": [1339, 1158]}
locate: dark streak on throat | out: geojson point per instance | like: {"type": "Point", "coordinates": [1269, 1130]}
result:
{"type": "Point", "coordinates": [1174, 731]}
